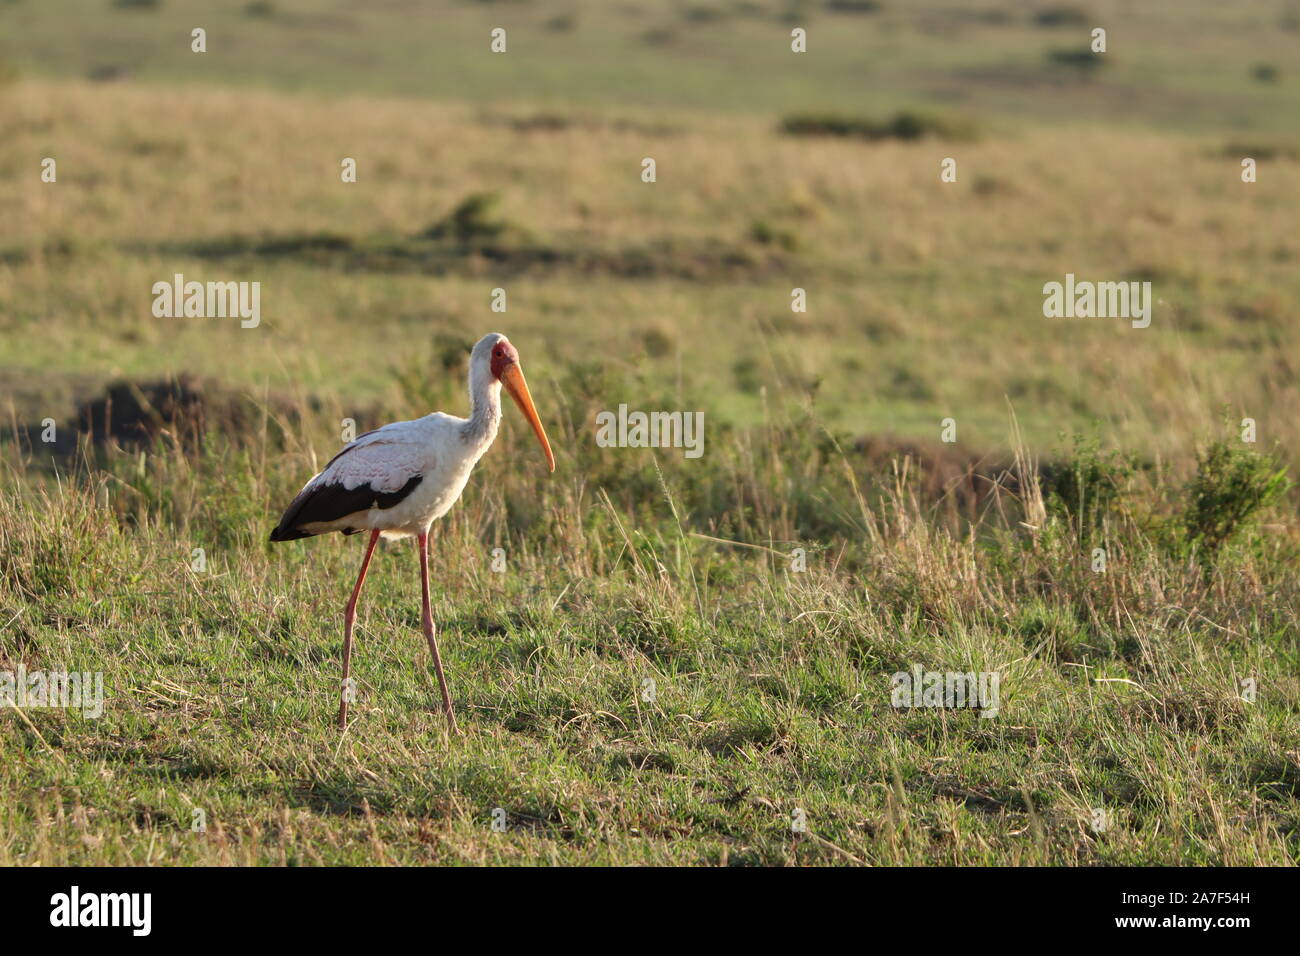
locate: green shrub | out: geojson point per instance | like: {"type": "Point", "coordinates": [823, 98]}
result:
{"type": "Point", "coordinates": [905, 125]}
{"type": "Point", "coordinates": [1261, 149]}
{"type": "Point", "coordinates": [476, 218]}
{"type": "Point", "coordinates": [1061, 16]}
{"type": "Point", "coordinates": [853, 6]}
{"type": "Point", "coordinates": [1085, 485]}
{"type": "Point", "coordinates": [764, 233]}
{"type": "Point", "coordinates": [1084, 60]}
{"type": "Point", "coordinates": [1265, 73]}
{"type": "Point", "coordinates": [1231, 487]}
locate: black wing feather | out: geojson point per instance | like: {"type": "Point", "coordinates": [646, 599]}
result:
{"type": "Point", "coordinates": [332, 502]}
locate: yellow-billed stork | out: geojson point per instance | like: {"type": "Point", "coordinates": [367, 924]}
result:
{"type": "Point", "coordinates": [399, 479]}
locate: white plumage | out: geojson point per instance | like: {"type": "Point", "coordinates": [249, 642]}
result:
{"type": "Point", "coordinates": [384, 460]}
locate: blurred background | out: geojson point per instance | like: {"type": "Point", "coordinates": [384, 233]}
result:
{"type": "Point", "coordinates": [775, 170]}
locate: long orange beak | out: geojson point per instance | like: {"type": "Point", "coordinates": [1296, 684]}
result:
{"type": "Point", "coordinates": [512, 377]}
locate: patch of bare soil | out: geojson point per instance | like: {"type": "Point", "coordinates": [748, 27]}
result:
{"type": "Point", "coordinates": [181, 411]}
{"type": "Point", "coordinates": [950, 478]}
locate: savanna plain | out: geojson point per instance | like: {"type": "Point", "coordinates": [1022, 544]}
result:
{"type": "Point", "coordinates": [669, 660]}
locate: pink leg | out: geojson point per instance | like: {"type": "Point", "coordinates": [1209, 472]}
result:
{"type": "Point", "coordinates": [427, 622]}
{"type": "Point", "coordinates": [350, 615]}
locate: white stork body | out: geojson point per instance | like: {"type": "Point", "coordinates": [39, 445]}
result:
{"type": "Point", "coordinates": [438, 448]}
{"type": "Point", "coordinates": [399, 479]}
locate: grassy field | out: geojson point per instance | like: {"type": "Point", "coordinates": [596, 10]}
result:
{"type": "Point", "coordinates": [1149, 712]}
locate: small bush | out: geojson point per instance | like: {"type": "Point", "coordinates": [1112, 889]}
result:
{"type": "Point", "coordinates": [747, 374]}
{"type": "Point", "coordinates": [541, 122]}
{"type": "Point", "coordinates": [1085, 486]}
{"type": "Point", "coordinates": [658, 342]}
{"type": "Point", "coordinates": [853, 6]}
{"type": "Point", "coordinates": [448, 354]}
{"type": "Point", "coordinates": [905, 125]}
{"type": "Point", "coordinates": [1061, 16]}
{"type": "Point", "coordinates": [1265, 73]}
{"type": "Point", "coordinates": [702, 14]}
{"type": "Point", "coordinates": [1084, 61]}
{"type": "Point", "coordinates": [659, 36]}
{"type": "Point", "coordinates": [763, 232]}
{"type": "Point", "coordinates": [107, 73]}
{"type": "Point", "coordinates": [475, 219]}
{"type": "Point", "coordinates": [1259, 149]}
{"type": "Point", "coordinates": [1231, 487]}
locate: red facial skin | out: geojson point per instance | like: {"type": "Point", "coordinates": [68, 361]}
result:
{"type": "Point", "coordinates": [503, 355]}
{"type": "Point", "coordinates": [506, 370]}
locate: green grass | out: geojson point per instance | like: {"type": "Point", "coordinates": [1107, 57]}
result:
{"type": "Point", "coordinates": [1169, 65]}
{"type": "Point", "coordinates": [924, 298]}
{"type": "Point", "coordinates": [1121, 691]}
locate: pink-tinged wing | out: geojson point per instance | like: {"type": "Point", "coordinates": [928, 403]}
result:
{"type": "Point", "coordinates": [378, 469]}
